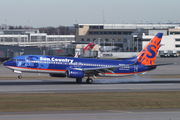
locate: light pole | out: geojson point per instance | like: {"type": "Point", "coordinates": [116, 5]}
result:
{"type": "Point", "coordinates": [6, 23]}
{"type": "Point", "coordinates": [103, 16]}
{"type": "Point", "coordinates": [29, 23]}
{"type": "Point", "coordinates": [137, 45]}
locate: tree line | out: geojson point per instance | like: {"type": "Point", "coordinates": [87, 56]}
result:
{"type": "Point", "coordinates": [61, 30]}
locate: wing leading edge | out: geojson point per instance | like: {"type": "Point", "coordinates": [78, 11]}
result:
{"type": "Point", "coordinates": [103, 70]}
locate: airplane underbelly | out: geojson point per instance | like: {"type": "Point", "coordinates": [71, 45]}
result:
{"type": "Point", "coordinates": [117, 74]}
{"type": "Point", "coordinates": [51, 71]}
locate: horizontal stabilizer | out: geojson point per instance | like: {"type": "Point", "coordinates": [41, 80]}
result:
{"type": "Point", "coordinates": [159, 64]}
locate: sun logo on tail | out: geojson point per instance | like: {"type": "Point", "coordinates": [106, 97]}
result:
{"type": "Point", "coordinates": [148, 55]}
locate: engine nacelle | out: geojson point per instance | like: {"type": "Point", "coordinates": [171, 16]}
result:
{"type": "Point", "coordinates": [57, 75]}
{"type": "Point", "coordinates": [75, 73]}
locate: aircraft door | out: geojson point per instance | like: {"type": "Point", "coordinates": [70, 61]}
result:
{"type": "Point", "coordinates": [135, 68]}
{"type": "Point", "coordinates": [27, 61]}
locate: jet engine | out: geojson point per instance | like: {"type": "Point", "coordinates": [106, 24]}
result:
{"type": "Point", "coordinates": [75, 73]}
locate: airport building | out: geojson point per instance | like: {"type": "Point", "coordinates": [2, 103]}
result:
{"type": "Point", "coordinates": [32, 37]}
{"type": "Point", "coordinates": [129, 37]}
{"type": "Point", "coordinates": [111, 37]}
{"type": "Point", "coordinates": [30, 42]}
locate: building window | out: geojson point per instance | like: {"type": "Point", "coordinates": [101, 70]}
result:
{"type": "Point", "coordinates": [82, 39]}
{"type": "Point", "coordinates": [95, 27]}
{"type": "Point", "coordinates": [107, 40]}
{"type": "Point", "coordinates": [177, 45]}
{"type": "Point", "coordinates": [177, 39]}
{"type": "Point", "coordinates": [101, 33]}
{"type": "Point", "coordinates": [174, 33]}
{"type": "Point", "coordinates": [146, 39]}
{"type": "Point", "coordinates": [88, 40]}
{"type": "Point", "coordinates": [114, 33]}
{"type": "Point", "coordinates": [119, 33]}
{"type": "Point", "coordinates": [101, 27]}
{"type": "Point", "coordinates": [95, 33]}
{"type": "Point", "coordinates": [125, 33]}
{"type": "Point", "coordinates": [130, 32]}
{"type": "Point", "coordinates": [90, 33]}
{"type": "Point", "coordinates": [125, 40]}
{"type": "Point", "coordinates": [109, 33]}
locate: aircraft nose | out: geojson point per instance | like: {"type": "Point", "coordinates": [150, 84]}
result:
{"type": "Point", "coordinates": [9, 63]}
{"type": "Point", "coordinates": [6, 63]}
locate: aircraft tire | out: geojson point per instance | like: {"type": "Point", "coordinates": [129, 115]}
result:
{"type": "Point", "coordinates": [20, 76]}
{"type": "Point", "coordinates": [89, 80]}
{"type": "Point", "coordinates": [78, 80]}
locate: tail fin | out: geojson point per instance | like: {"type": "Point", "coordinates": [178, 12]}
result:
{"type": "Point", "coordinates": [148, 55]}
{"type": "Point", "coordinates": [90, 45]}
{"type": "Point", "coordinates": [77, 54]}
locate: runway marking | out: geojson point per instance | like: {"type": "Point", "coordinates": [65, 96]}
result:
{"type": "Point", "coordinates": [153, 84]}
{"type": "Point", "coordinates": [25, 92]}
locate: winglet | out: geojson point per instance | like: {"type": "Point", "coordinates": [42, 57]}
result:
{"type": "Point", "coordinates": [159, 35]}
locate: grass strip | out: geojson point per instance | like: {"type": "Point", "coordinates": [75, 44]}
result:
{"type": "Point", "coordinates": [89, 101]}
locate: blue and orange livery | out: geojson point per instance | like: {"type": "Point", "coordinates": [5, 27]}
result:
{"type": "Point", "coordinates": [148, 55]}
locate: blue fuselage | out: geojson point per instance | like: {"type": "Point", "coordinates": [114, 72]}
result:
{"type": "Point", "coordinates": [58, 65]}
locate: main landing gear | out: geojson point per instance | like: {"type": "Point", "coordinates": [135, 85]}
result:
{"type": "Point", "coordinates": [20, 76]}
{"type": "Point", "coordinates": [88, 80]}
{"type": "Point", "coordinates": [78, 80]}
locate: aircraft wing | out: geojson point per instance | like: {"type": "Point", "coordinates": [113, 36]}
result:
{"type": "Point", "coordinates": [103, 70]}
{"type": "Point", "coordinates": [110, 69]}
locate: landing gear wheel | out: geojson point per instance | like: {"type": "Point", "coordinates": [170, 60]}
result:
{"type": "Point", "coordinates": [20, 76]}
{"type": "Point", "coordinates": [78, 80]}
{"type": "Point", "coordinates": [89, 80]}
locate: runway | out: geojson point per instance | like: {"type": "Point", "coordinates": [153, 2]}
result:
{"type": "Point", "coordinates": [148, 114]}
{"type": "Point", "coordinates": [67, 85]}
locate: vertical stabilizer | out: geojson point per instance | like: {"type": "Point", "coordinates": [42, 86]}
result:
{"type": "Point", "coordinates": [90, 45]}
{"type": "Point", "coordinates": [148, 55]}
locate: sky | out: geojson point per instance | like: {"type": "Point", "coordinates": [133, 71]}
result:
{"type": "Point", "coordinates": [45, 13]}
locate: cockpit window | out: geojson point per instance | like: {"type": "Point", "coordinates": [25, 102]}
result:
{"type": "Point", "coordinates": [15, 60]}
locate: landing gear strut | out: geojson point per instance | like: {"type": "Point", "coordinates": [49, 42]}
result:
{"type": "Point", "coordinates": [78, 80]}
{"type": "Point", "coordinates": [89, 80]}
{"type": "Point", "coordinates": [20, 76]}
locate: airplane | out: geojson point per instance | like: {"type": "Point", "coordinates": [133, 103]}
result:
{"type": "Point", "coordinates": [79, 68]}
